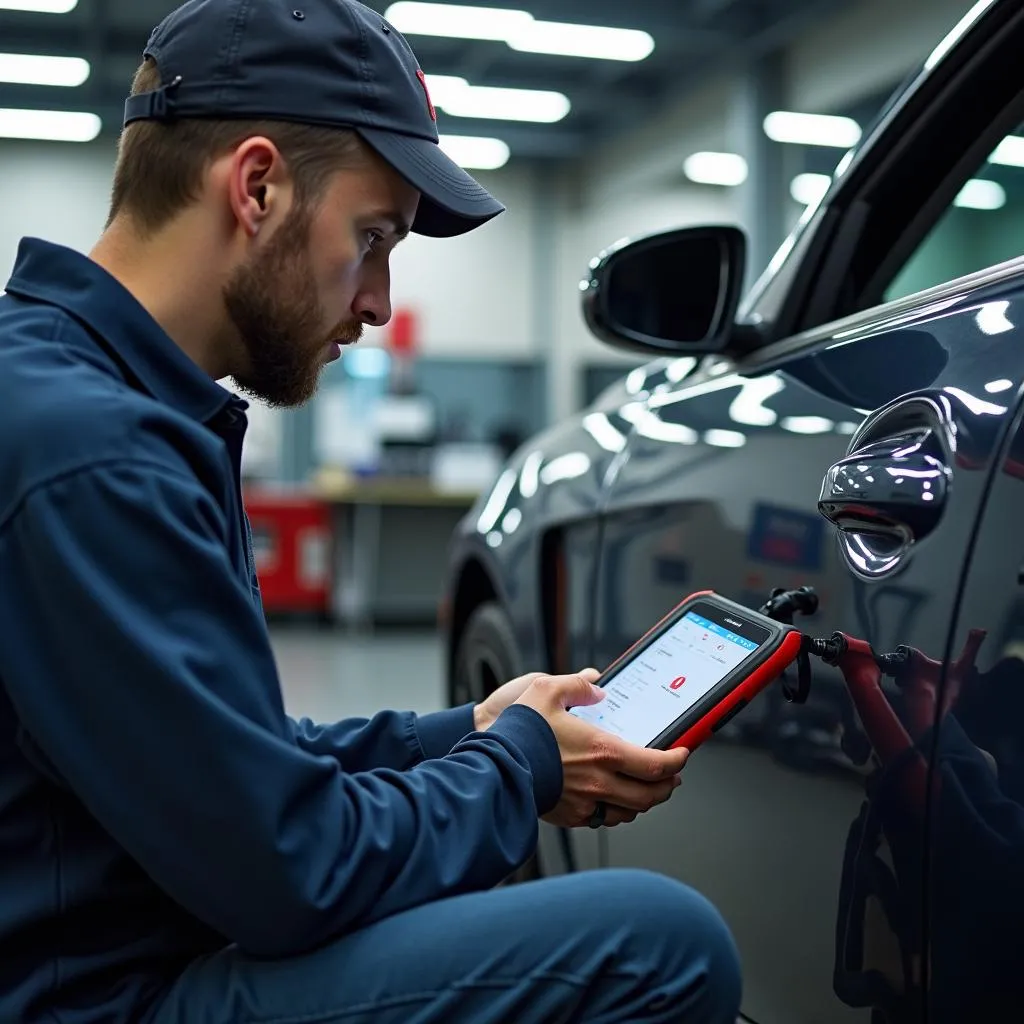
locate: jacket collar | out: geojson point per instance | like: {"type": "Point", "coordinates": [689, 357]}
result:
{"type": "Point", "coordinates": [61, 277]}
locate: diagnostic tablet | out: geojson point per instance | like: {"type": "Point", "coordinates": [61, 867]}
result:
{"type": "Point", "coordinates": [690, 674]}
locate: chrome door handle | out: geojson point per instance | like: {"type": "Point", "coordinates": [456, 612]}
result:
{"type": "Point", "coordinates": [890, 491]}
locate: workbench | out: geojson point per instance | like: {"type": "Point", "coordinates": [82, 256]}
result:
{"type": "Point", "coordinates": [391, 542]}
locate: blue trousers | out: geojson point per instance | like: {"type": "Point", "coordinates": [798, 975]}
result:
{"type": "Point", "coordinates": [600, 946]}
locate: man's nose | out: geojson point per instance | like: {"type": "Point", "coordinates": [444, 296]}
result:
{"type": "Point", "coordinates": [372, 304]}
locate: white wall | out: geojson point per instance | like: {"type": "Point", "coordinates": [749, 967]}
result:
{"type": "Point", "coordinates": [473, 293]}
{"type": "Point", "coordinates": [56, 192]}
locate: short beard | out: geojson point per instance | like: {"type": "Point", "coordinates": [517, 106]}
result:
{"type": "Point", "coordinates": [273, 303]}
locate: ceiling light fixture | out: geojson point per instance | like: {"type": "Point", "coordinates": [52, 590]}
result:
{"type": "Point", "coordinates": [49, 125]}
{"type": "Point", "coordinates": [812, 129]}
{"type": "Point", "coordinates": [476, 152]}
{"type": "Point", "coordinates": [460, 99]}
{"type": "Point", "coordinates": [519, 30]}
{"type": "Point", "coordinates": [39, 6]}
{"type": "Point", "coordinates": [32, 69]}
{"type": "Point", "coordinates": [809, 189]}
{"type": "Point", "coordinates": [728, 169]}
{"type": "Point", "coordinates": [1009, 152]}
{"type": "Point", "coordinates": [979, 194]}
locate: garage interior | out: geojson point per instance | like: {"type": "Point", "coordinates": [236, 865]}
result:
{"type": "Point", "coordinates": [676, 114]}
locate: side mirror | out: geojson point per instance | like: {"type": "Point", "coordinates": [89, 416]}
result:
{"type": "Point", "coordinates": [672, 292]}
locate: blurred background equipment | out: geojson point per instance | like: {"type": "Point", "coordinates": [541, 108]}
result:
{"type": "Point", "coordinates": [593, 122]}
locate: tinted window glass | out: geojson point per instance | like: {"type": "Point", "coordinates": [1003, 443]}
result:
{"type": "Point", "coordinates": [984, 225]}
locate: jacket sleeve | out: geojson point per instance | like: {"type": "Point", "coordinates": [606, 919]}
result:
{"type": "Point", "coordinates": [391, 739]}
{"type": "Point", "coordinates": [143, 670]}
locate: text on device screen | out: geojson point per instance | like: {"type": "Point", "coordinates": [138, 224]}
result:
{"type": "Point", "coordinates": [666, 679]}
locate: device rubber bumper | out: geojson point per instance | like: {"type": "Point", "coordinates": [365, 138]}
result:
{"type": "Point", "coordinates": [730, 706]}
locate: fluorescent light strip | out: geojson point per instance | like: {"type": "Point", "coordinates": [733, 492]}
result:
{"type": "Point", "coordinates": [49, 125]}
{"type": "Point", "coordinates": [595, 42]}
{"type": "Point", "coordinates": [979, 194]}
{"type": "Point", "coordinates": [812, 129]}
{"type": "Point", "coordinates": [32, 69]}
{"type": "Point", "coordinates": [475, 152]}
{"type": "Point", "coordinates": [39, 6]}
{"type": "Point", "coordinates": [460, 99]}
{"type": "Point", "coordinates": [728, 169]}
{"type": "Point", "coordinates": [809, 189]}
{"type": "Point", "coordinates": [520, 31]}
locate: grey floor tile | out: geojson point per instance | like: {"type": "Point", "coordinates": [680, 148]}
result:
{"type": "Point", "coordinates": [328, 675]}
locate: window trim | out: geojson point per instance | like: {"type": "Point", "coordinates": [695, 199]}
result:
{"type": "Point", "coordinates": [938, 300]}
{"type": "Point", "coordinates": [815, 296]}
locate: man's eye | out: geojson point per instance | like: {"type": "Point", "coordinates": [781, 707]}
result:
{"type": "Point", "coordinates": [373, 239]}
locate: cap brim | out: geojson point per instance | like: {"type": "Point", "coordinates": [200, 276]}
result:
{"type": "Point", "coordinates": [451, 202]}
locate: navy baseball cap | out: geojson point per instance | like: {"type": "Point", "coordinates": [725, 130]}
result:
{"type": "Point", "coordinates": [334, 63]}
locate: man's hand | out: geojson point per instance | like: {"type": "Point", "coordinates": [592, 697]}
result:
{"type": "Point", "coordinates": [485, 714]}
{"type": "Point", "coordinates": [597, 766]}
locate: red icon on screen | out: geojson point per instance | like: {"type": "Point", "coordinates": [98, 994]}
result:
{"type": "Point", "coordinates": [676, 683]}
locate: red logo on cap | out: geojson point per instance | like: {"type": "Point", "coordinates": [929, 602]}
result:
{"type": "Point", "coordinates": [430, 106]}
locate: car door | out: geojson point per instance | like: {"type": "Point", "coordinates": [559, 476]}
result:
{"type": "Point", "coordinates": [976, 865]}
{"type": "Point", "coordinates": [764, 820]}
{"type": "Point", "coordinates": [779, 818]}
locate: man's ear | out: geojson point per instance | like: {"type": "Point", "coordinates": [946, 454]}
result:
{"type": "Point", "coordinates": [259, 186]}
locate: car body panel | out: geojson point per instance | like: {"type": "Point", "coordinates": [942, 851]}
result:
{"type": "Point", "coordinates": [975, 883]}
{"type": "Point", "coordinates": [762, 822]}
{"type": "Point", "coordinates": [706, 474]}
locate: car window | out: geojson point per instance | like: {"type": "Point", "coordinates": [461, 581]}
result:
{"type": "Point", "coordinates": [983, 226]}
{"type": "Point", "coordinates": [893, 224]}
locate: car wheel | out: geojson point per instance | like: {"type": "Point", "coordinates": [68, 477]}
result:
{"type": "Point", "coordinates": [486, 658]}
{"type": "Point", "coordinates": [487, 655]}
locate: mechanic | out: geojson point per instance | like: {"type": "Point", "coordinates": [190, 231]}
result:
{"type": "Point", "coordinates": [173, 847]}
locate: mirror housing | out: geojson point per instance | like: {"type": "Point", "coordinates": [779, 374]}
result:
{"type": "Point", "coordinates": [673, 292]}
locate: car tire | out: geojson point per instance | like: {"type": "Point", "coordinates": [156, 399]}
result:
{"type": "Point", "coordinates": [487, 657]}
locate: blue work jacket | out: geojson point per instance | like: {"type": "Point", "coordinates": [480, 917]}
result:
{"type": "Point", "coordinates": [156, 802]}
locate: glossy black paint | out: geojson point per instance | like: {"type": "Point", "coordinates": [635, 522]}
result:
{"type": "Point", "coordinates": [975, 886]}
{"type": "Point", "coordinates": [854, 895]}
{"type": "Point", "coordinates": [764, 819]}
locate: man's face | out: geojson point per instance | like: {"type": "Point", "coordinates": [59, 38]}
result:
{"type": "Point", "coordinates": [317, 280]}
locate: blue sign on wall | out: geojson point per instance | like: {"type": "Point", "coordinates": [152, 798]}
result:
{"type": "Point", "coordinates": [783, 536]}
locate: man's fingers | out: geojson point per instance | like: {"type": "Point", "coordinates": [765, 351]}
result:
{"type": "Point", "coordinates": [619, 816]}
{"type": "Point", "coordinates": [570, 691]}
{"type": "Point", "coordinates": [528, 679]}
{"type": "Point", "coordinates": [650, 765]}
{"type": "Point", "coordinates": [639, 796]}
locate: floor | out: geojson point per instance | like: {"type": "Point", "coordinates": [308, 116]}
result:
{"type": "Point", "coordinates": [329, 674]}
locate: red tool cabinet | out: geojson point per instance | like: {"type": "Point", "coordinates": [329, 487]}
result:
{"type": "Point", "coordinates": [293, 544]}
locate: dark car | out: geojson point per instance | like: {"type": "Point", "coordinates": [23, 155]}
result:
{"type": "Point", "coordinates": [853, 425]}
